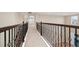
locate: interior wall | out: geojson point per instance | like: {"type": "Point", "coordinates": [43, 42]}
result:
{"type": "Point", "coordinates": [50, 19]}
{"type": "Point", "coordinates": [68, 19]}
{"type": "Point", "coordinates": [11, 18]}
{"type": "Point", "coordinates": [22, 17]}
{"type": "Point", "coordinates": [7, 19]}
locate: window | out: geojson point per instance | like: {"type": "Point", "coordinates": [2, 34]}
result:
{"type": "Point", "coordinates": [31, 18]}
{"type": "Point", "coordinates": [74, 20]}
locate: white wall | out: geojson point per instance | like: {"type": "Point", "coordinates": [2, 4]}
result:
{"type": "Point", "coordinates": [7, 19]}
{"type": "Point", "coordinates": [22, 17]}
{"type": "Point", "coordinates": [50, 19]}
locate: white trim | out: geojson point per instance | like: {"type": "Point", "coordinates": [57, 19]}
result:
{"type": "Point", "coordinates": [45, 40]}
{"type": "Point", "coordinates": [25, 39]}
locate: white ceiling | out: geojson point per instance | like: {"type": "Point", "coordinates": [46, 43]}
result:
{"type": "Point", "coordinates": [57, 13]}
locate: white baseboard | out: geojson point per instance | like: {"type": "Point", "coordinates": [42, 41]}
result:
{"type": "Point", "coordinates": [45, 40]}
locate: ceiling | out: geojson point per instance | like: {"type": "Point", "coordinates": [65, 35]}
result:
{"type": "Point", "coordinates": [57, 13]}
{"type": "Point", "coordinates": [52, 13]}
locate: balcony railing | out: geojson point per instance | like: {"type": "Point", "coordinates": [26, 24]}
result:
{"type": "Point", "coordinates": [59, 35]}
{"type": "Point", "coordinates": [13, 35]}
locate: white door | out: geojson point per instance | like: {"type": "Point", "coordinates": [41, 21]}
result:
{"type": "Point", "coordinates": [31, 21]}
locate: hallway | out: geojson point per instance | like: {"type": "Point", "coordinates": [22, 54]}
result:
{"type": "Point", "coordinates": [39, 29]}
{"type": "Point", "coordinates": [33, 37]}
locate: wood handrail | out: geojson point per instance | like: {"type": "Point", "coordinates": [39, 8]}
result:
{"type": "Point", "coordinates": [7, 28]}
{"type": "Point", "coordinates": [73, 26]}
{"type": "Point", "coordinates": [59, 34]}
{"type": "Point", "coordinates": [16, 34]}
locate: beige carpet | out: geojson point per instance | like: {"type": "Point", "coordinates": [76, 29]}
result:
{"type": "Point", "coordinates": [33, 38]}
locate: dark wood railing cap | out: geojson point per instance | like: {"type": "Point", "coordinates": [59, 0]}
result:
{"type": "Point", "coordinates": [64, 25]}
{"type": "Point", "coordinates": [7, 28]}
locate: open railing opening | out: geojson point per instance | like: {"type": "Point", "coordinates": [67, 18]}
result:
{"type": "Point", "coordinates": [13, 36]}
{"type": "Point", "coordinates": [59, 35]}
